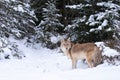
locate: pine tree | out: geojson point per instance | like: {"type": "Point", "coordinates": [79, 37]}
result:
{"type": "Point", "coordinates": [92, 21]}
{"type": "Point", "coordinates": [16, 20]}
{"type": "Point", "coordinates": [50, 26]}
{"type": "Point", "coordinates": [38, 5]}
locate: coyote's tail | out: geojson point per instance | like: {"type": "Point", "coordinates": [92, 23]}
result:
{"type": "Point", "coordinates": [98, 56]}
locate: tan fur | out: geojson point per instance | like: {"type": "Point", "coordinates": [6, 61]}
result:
{"type": "Point", "coordinates": [88, 51]}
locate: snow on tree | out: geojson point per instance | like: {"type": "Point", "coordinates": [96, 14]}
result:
{"type": "Point", "coordinates": [16, 20]}
{"type": "Point", "coordinates": [113, 15]}
{"type": "Point", "coordinates": [50, 26]}
{"type": "Point", "coordinates": [93, 21]}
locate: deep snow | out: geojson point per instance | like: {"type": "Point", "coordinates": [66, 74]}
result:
{"type": "Point", "coordinates": [45, 64]}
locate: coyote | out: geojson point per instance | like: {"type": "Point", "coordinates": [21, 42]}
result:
{"type": "Point", "coordinates": [88, 51]}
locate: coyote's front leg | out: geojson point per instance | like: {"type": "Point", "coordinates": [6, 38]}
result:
{"type": "Point", "coordinates": [74, 62]}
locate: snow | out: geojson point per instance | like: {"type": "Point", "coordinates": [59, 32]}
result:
{"type": "Point", "coordinates": [54, 39]}
{"type": "Point", "coordinates": [106, 50]}
{"type": "Point", "coordinates": [105, 23]}
{"type": "Point", "coordinates": [19, 8]}
{"type": "Point", "coordinates": [108, 4]}
{"type": "Point", "coordinates": [45, 64]}
{"type": "Point", "coordinates": [100, 15]}
{"type": "Point", "coordinates": [91, 19]}
{"type": "Point", "coordinates": [74, 6]}
{"type": "Point", "coordinates": [77, 6]}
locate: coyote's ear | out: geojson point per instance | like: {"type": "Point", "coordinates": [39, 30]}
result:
{"type": "Point", "coordinates": [68, 39]}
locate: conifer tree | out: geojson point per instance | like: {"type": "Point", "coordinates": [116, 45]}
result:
{"type": "Point", "coordinates": [50, 26]}
{"type": "Point", "coordinates": [93, 21]}
{"type": "Point", "coordinates": [16, 20]}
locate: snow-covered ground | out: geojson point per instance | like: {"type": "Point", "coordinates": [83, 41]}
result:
{"type": "Point", "coordinates": [45, 64]}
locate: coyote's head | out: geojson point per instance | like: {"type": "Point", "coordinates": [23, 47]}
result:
{"type": "Point", "coordinates": [66, 44]}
